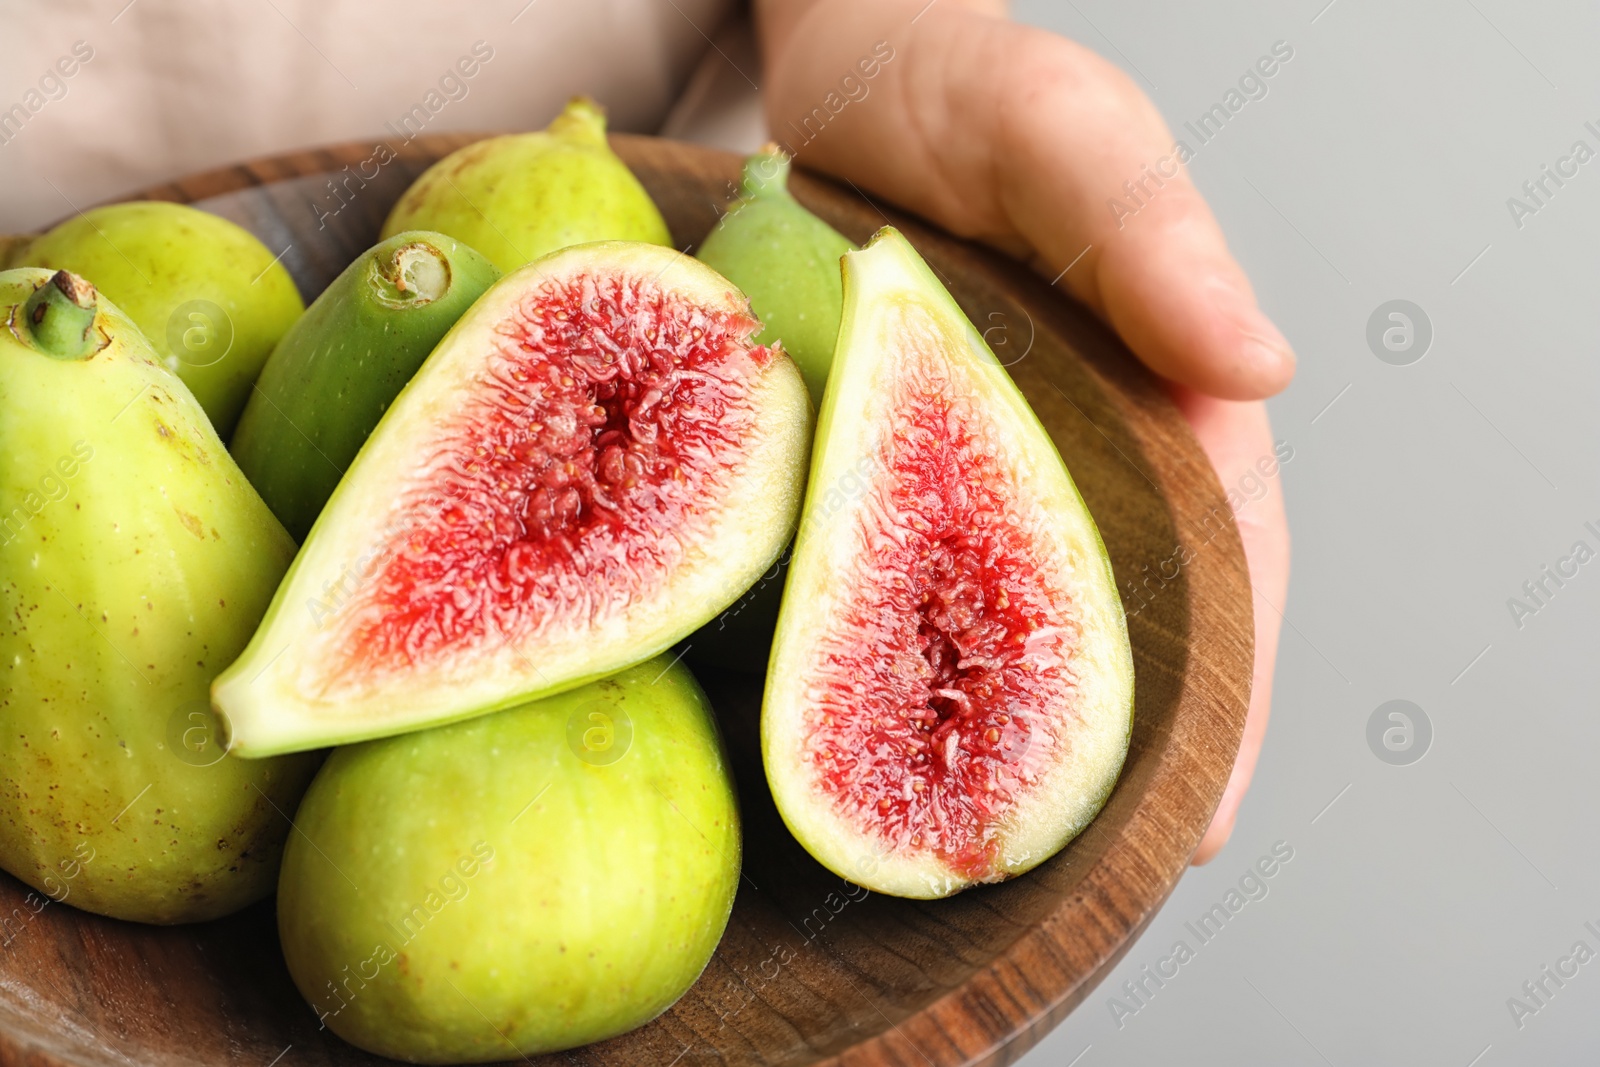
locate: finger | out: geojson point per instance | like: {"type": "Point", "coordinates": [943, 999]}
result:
{"type": "Point", "coordinates": [1023, 139]}
{"type": "Point", "coordinates": [1238, 440]}
{"type": "Point", "coordinates": [1169, 287]}
{"type": "Point", "coordinates": [1143, 247]}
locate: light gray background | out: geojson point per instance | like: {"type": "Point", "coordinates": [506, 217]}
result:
{"type": "Point", "coordinates": [1378, 167]}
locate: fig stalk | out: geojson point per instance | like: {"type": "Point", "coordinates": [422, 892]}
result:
{"type": "Point", "coordinates": [766, 173]}
{"type": "Point", "coordinates": [58, 319]}
{"type": "Point", "coordinates": [581, 120]}
{"type": "Point", "coordinates": [412, 275]}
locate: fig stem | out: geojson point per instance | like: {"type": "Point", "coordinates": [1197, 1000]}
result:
{"type": "Point", "coordinates": [583, 119]}
{"type": "Point", "coordinates": [766, 173]}
{"type": "Point", "coordinates": [413, 275]}
{"type": "Point", "coordinates": [58, 318]}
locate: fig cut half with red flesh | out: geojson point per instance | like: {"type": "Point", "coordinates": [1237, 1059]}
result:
{"type": "Point", "coordinates": [950, 694]}
{"type": "Point", "coordinates": [595, 460]}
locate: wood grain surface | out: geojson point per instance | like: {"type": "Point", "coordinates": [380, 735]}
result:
{"type": "Point", "coordinates": [805, 973]}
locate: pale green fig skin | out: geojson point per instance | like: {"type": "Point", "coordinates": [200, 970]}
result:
{"type": "Point", "coordinates": [521, 196]}
{"type": "Point", "coordinates": [273, 700]}
{"type": "Point", "coordinates": [786, 260]}
{"type": "Point", "coordinates": [888, 276]}
{"type": "Point", "coordinates": [135, 561]}
{"type": "Point", "coordinates": [151, 258]}
{"type": "Point", "coordinates": [339, 367]}
{"type": "Point", "coordinates": [525, 882]}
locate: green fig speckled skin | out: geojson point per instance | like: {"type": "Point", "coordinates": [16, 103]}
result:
{"type": "Point", "coordinates": [523, 882]}
{"type": "Point", "coordinates": [208, 296]}
{"type": "Point", "coordinates": [339, 367]}
{"type": "Point", "coordinates": [135, 562]}
{"type": "Point", "coordinates": [786, 260]}
{"type": "Point", "coordinates": [517, 197]}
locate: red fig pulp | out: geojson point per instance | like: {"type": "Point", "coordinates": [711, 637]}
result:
{"type": "Point", "coordinates": [595, 460]}
{"type": "Point", "coordinates": [950, 692]}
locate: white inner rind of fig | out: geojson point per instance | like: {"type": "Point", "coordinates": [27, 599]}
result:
{"type": "Point", "coordinates": [596, 460]}
{"type": "Point", "coordinates": [950, 695]}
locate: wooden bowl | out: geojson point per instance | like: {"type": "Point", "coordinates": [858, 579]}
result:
{"type": "Point", "coordinates": [804, 975]}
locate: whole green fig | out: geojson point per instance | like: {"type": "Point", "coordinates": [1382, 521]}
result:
{"type": "Point", "coordinates": [135, 562]}
{"type": "Point", "coordinates": [339, 367]}
{"type": "Point", "coordinates": [786, 260]}
{"type": "Point", "coordinates": [518, 883]}
{"type": "Point", "coordinates": [519, 196]}
{"type": "Point", "coordinates": [208, 296]}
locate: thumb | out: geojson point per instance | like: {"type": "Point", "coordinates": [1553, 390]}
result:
{"type": "Point", "coordinates": [1167, 284]}
{"type": "Point", "coordinates": [1023, 139]}
{"type": "Point", "coordinates": [1113, 202]}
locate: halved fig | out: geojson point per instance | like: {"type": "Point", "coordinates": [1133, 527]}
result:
{"type": "Point", "coordinates": [950, 693]}
{"type": "Point", "coordinates": [595, 460]}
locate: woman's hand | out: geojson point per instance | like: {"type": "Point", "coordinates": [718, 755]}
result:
{"type": "Point", "coordinates": [1019, 138]}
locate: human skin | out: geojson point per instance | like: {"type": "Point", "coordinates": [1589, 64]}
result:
{"type": "Point", "coordinates": [1017, 137]}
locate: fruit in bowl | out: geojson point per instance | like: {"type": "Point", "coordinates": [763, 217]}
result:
{"type": "Point", "coordinates": [523, 882]}
{"type": "Point", "coordinates": [210, 298]}
{"type": "Point", "coordinates": [950, 695]}
{"type": "Point", "coordinates": [595, 460]}
{"type": "Point", "coordinates": [786, 260]}
{"type": "Point", "coordinates": [521, 196]}
{"type": "Point", "coordinates": [137, 562]}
